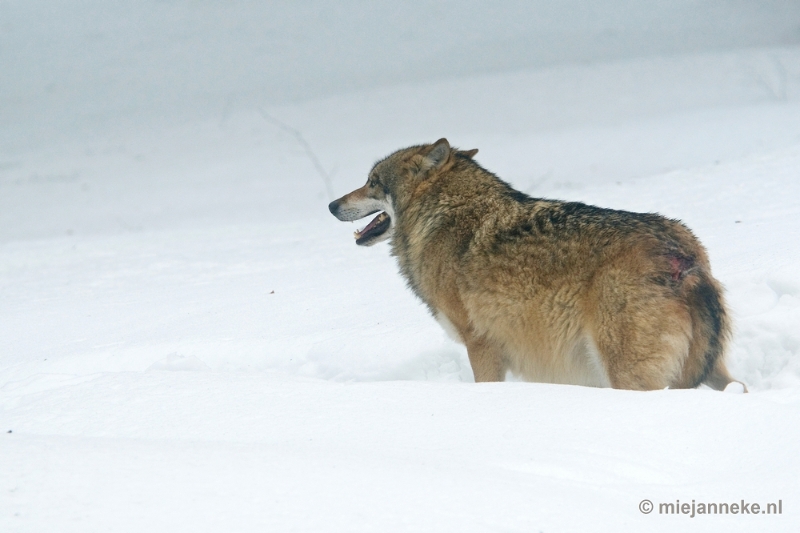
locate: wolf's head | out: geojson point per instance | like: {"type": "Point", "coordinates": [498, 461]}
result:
{"type": "Point", "coordinates": [391, 181]}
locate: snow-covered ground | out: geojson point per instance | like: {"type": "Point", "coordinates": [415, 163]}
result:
{"type": "Point", "coordinates": [189, 341]}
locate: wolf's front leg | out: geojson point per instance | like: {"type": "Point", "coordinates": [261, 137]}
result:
{"type": "Point", "coordinates": [486, 359]}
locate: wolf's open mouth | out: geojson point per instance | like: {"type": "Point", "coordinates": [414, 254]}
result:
{"type": "Point", "coordinates": [375, 228]}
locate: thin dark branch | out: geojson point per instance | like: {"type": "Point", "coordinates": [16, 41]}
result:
{"type": "Point", "coordinates": [326, 179]}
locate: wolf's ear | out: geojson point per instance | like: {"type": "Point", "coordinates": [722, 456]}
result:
{"type": "Point", "coordinates": [437, 155]}
{"type": "Point", "coordinates": [469, 153]}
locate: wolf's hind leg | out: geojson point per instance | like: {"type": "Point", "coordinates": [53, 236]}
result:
{"type": "Point", "coordinates": [486, 359]}
{"type": "Point", "coordinates": [638, 368]}
{"type": "Point", "coordinates": [644, 352]}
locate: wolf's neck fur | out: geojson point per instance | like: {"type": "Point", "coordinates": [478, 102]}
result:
{"type": "Point", "coordinates": [455, 206]}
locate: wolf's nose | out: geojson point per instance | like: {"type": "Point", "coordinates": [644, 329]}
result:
{"type": "Point", "coordinates": [333, 207]}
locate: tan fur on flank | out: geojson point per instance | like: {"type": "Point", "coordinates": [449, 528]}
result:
{"type": "Point", "coordinates": [558, 292]}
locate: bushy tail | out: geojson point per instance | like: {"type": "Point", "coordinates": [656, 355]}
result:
{"type": "Point", "coordinates": [710, 332]}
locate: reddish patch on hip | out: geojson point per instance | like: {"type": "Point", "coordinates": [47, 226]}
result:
{"type": "Point", "coordinates": [679, 265]}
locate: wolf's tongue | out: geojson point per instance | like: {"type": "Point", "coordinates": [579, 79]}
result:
{"type": "Point", "coordinates": [375, 222]}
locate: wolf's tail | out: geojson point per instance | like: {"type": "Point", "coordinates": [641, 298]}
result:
{"type": "Point", "coordinates": [711, 330]}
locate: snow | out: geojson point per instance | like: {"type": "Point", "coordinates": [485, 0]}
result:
{"type": "Point", "coordinates": [189, 341]}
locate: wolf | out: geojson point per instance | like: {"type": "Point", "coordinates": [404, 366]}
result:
{"type": "Point", "coordinates": [553, 291]}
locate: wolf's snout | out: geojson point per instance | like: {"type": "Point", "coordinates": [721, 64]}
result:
{"type": "Point", "coordinates": [333, 207]}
